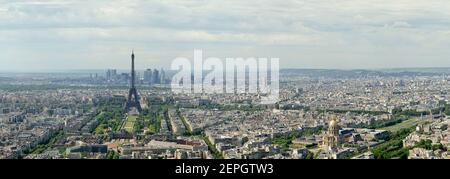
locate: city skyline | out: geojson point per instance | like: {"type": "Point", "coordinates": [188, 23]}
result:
{"type": "Point", "coordinates": [143, 69]}
{"type": "Point", "coordinates": [71, 35]}
{"type": "Point", "coordinates": [224, 88]}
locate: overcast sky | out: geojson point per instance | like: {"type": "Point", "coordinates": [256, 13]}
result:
{"type": "Point", "coordinates": [99, 34]}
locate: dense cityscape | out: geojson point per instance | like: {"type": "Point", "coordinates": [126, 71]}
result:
{"type": "Point", "coordinates": [322, 114]}
{"type": "Point", "coordinates": [207, 88]}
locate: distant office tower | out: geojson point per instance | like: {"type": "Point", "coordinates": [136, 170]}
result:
{"type": "Point", "coordinates": [111, 74]}
{"type": "Point", "coordinates": [124, 77]}
{"type": "Point", "coordinates": [148, 76]}
{"type": "Point", "coordinates": [163, 76]}
{"type": "Point", "coordinates": [138, 77]}
{"type": "Point", "coordinates": [133, 98]}
{"type": "Point", "coordinates": [156, 77]}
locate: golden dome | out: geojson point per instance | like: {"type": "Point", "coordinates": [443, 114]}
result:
{"type": "Point", "coordinates": [333, 120]}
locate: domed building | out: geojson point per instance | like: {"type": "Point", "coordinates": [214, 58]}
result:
{"type": "Point", "coordinates": [332, 140]}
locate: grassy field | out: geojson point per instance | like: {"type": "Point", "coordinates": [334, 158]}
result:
{"type": "Point", "coordinates": [129, 123]}
{"type": "Point", "coordinates": [405, 124]}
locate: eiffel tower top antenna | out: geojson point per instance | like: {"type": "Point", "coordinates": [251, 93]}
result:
{"type": "Point", "coordinates": [133, 73]}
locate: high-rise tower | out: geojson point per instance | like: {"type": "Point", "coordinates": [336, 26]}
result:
{"type": "Point", "coordinates": [133, 98]}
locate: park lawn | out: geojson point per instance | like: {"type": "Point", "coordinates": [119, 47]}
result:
{"type": "Point", "coordinates": [151, 129]}
{"type": "Point", "coordinates": [296, 146]}
{"type": "Point", "coordinates": [129, 123]}
{"type": "Point", "coordinates": [132, 118]}
{"type": "Point", "coordinates": [404, 125]}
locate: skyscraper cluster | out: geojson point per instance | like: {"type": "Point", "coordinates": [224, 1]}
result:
{"type": "Point", "coordinates": [149, 77]}
{"type": "Point", "coordinates": [113, 77]}
{"type": "Point", "coordinates": [111, 74]}
{"type": "Point", "coordinates": [154, 76]}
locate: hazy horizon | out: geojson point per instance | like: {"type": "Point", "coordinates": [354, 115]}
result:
{"type": "Point", "coordinates": [56, 35]}
{"type": "Point", "coordinates": [123, 70]}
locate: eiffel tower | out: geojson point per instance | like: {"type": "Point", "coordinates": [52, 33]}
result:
{"type": "Point", "coordinates": [133, 98]}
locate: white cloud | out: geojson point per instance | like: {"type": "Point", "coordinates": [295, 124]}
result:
{"type": "Point", "coordinates": [303, 33]}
